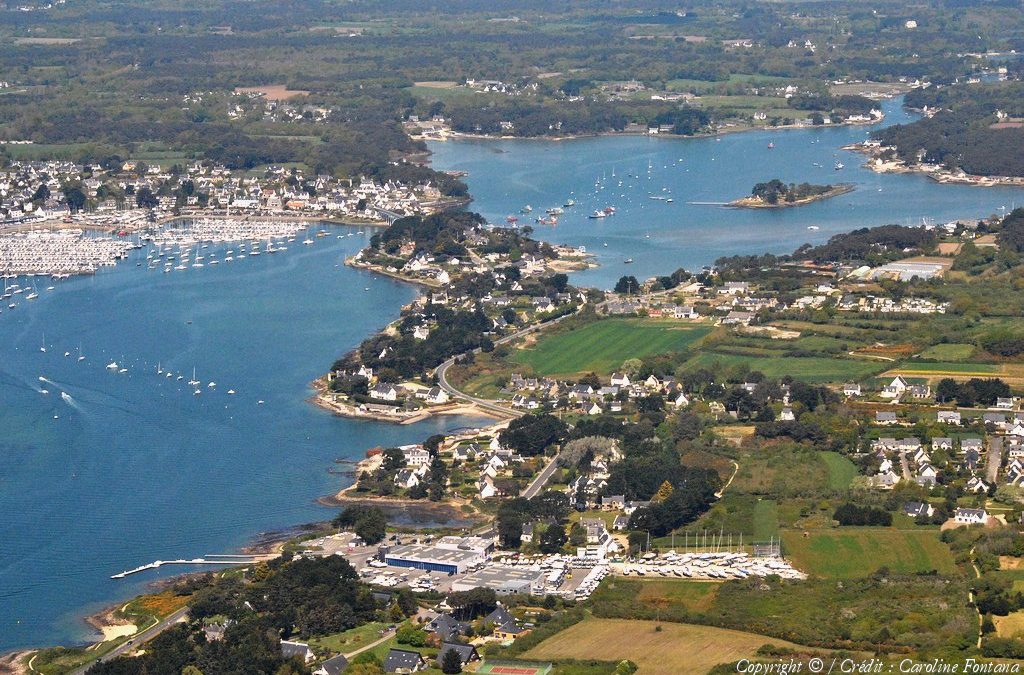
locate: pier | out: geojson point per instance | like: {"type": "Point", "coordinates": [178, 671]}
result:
{"type": "Point", "coordinates": [215, 559]}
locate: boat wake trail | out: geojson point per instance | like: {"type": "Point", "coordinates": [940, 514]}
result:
{"type": "Point", "coordinates": [66, 397]}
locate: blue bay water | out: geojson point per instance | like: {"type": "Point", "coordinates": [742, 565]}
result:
{"type": "Point", "coordinates": [505, 175]}
{"type": "Point", "coordinates": [136, 468]}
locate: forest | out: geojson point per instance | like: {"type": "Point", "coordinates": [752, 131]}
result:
{"type": "Point", "coordinates": [775, 191]}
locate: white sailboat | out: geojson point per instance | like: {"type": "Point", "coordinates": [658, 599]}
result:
{"type": "Point", "coordinates": [193, 382]}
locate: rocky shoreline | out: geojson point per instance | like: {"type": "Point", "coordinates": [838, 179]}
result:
{"type": "Point", "coordinates": [877, 163]}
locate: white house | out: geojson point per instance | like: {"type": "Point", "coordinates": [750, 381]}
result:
{"type": "Point", "coordinates": [291, 649]}
{"type": "Point", "coordinates": [977, 485]}
{"type": "Point", "coordinates": [437, 395]}
{"type": "Point", "coordinates": [406, 479]}
{"type": "Point", "coordinates": [895, 388]}
{"type": "Point", "coordinates": [384, 392]}
{"type": "Point", "coordinates": [620, 380]}
{"type": "Point", "coordinates": [487, 489]}
{"type": "Point", "coordinates": [970, 516]}
{"type": "Point", "coordinates": [415, 455]}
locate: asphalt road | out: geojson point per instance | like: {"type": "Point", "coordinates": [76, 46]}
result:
{"type": "Point", "coordinates": [541, 479]}
{"type": "Point", "coordinates": [140, 639]}
{"type": "Point", "coordinates": [442, 370]}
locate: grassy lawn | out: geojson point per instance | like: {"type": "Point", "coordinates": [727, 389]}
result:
{"type": "Point", "coordinates": [841, 471]}
{"type": "Point", "coordinates": [858, 551]}
{"type": "Point", "coordinates": [765, 519]}
{"type": "Point", "coordinates": [351, 640]}
{"type": "Point", "coordinates": [809, 369]}
{"type": "Point", "coordinates": [602, 346]}
{"type": "Point", "coordinates": [652, 650]}
{"type": "Point", "coordinates": [443, 93]}
{"type": "Point", "coordinates": [948, 352]}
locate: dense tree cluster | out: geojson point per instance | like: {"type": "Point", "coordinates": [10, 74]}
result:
{"type": "Point", "coordinates": [248, 647]}
{"type": "Point", "coordinates": [369, 522]}
{"type": "Point", "coordinates": [1011, 231]}
{"type": "Point", "coordinates": [869, 243]}
{"type": "Point", "coordinates": [775, 191]}
{"type": "Point", "coordinates": [854, 514]}
{"type": "Point", "coordinates": [530, 435]}
{"type": "Point", "coordinates": [972, 392]}
{"type": "Point", "coordinates": [552, 506]}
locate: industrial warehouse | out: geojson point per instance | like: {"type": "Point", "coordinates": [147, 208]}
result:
{"type": "Point", "coordinates": [503, 581]}
{"type": "Point", "coordinates": [450, 555]}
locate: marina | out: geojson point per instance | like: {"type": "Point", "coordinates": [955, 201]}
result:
{"type": "Point", "coordinates": [211, 471]}
{"type": "Point", "coordinates": [183, 472]}
{"type": "Point", "coordinates": [66, 252]}
{"type": "Point", "coordinates": [60, 253]}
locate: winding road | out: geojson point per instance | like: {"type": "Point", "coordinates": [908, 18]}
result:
{"type": "Point", "coordinates": [541, 479]}
{"type": "Point", "coordinates": [442, 370]}
{"type": "Point", "coordinates": [137, 640]}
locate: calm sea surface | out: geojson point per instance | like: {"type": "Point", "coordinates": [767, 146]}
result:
{"type": "Point", "coordinates": [135, 468]}
{"type": "Point", "coordinates": [625, 172]}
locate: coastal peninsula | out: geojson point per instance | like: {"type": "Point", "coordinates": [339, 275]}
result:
{"type": "Point", "coordinates": [775, 194]}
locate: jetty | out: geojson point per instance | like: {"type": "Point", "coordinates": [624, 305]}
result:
{"type": "Point", "coordinates": [214, 559]}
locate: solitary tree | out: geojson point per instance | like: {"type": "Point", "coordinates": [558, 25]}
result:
{"type": "Point", "coordinates": [451, 662]}
{"type": "Point", "coordinates": [553, 539]}
{"type": "Point", "coordinates": [628, 285]}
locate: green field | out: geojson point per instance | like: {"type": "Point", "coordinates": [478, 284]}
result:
{"type": "Point", "coordinates": [949, 352]}
{"type": "Point", "coordinates": [602, 346]}
{"type": "Point", "coordinates": [783, 471]}
{"type": "Point", "coordinates": [841, 471]}
{"type": "Point", "coordinates": [810, 369]}
{"type": "Point", "coordinates": [851, 552]}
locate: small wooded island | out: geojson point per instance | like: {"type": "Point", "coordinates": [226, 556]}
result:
{"type": "Point", "coordinates": [775, 194]}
